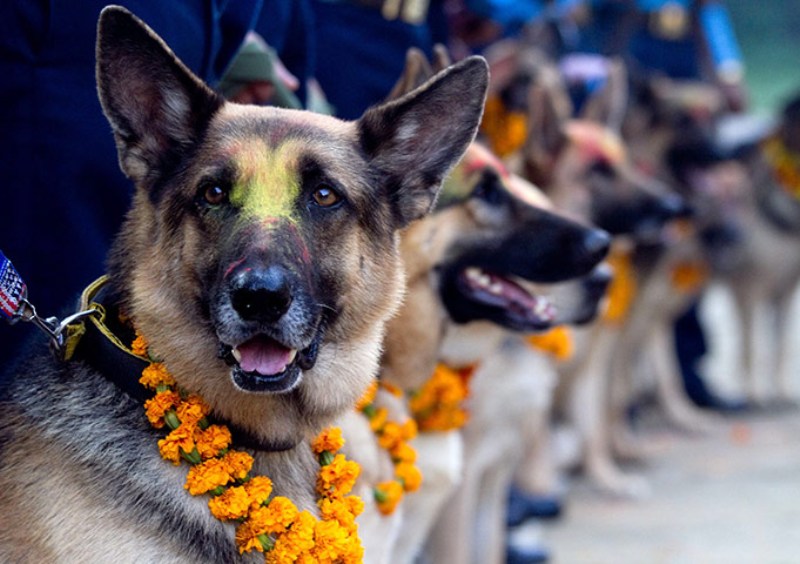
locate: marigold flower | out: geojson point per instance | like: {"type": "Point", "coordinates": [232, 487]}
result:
{"type": "Point", "coordinates": [378, 420]}
{"type": "Point", "coordinates": [296, 544]}
{"type": "Point", "coordinates": [337, 478]}
{"type": "Point", "coordinates": [438, 405]}
{"type": "Point", "coordinates": [158, 405]}
{"type": "Point", "coordinates": [274, 517]}
{"type": "Point", "coordinates": [409, 475]}
{"type": "Point", "coordinates": [233, 503]}
{"type": "Point", "coordinates": [390, 436]}
{"type": "Point", "coordinates": [259, 488]}
{"type": "Point", "coordinates": [178, 439]}
{"type": "Point", "coordinates": [368, 396]}
{"type": "Point", "coordinates": [403, 452]}
{"type": "Point", "coordinates": [207, 476]}
{"type": "Point", "coordinates": [331, 542]}
{"type": "Point", "coordinates": [211, 441]}
{"type": "Point", "coordinates": [238, 464]}
{"type": "Point", "coordinates": [556, 342]}
{"type": "Point", "coordinates": [329, 440]}
{"type": "Point", "coordinates": [155, 375]}
{"type": "Point", "coordinates": [388, 496]}
{"type": "Point", "coordinates": [139, 345]}
{"type": "Point", "coordinates": [192, 410]}
{"type": "Point", "coordinates": [622, 289]}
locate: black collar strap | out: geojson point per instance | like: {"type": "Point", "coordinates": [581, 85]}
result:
{"type": "Point", "coordinates": [99, 341]}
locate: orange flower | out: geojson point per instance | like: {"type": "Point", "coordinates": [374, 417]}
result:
{"type": "Point", "coordinates": [238, 463]}
{"type": "Point", "coordinates": [409, 475]}
{"type": "Point", "coordinates": [329, 440]}
{"type": "Point", "coordinates": [388, 496]}
{"type": "Point", "coordinates": [259, 488]}
{"type": "Point", "coordinates": [378, 420]}
{"type": "Point", "coordinates": [139, 345]}
{"type": "Point", "coordinates": [207, 476]}
{"type": "Point", "coordinates": [192, 410]}
{"type": "Point", "coordinates": [331, 542]}
{"type": "Point", "coordinates": [390, 436]}
{"type": "Point", "coordinates": [438, 405]}
{"type": "Point", "coordinates": [212, 441]}
{"type": "Point", "coordinates": [368, 396]}
{"type": "Point", "coordinates": [154, 375]}
{"type": "Point", "coordinates": [158, 405]}
{"type": "Point", "coordinates": [296, 544]}
{"type": "Point", "coordinates": [337, 478]}
{"type": "Point", "coordinates": [403, 452]}
{"type": "Point", "coordinates": [557, 342]}
{"type": "Point", "coordinates": [233, 503]}
{"type": "Point", "coordinates": [623, 287]}
{"type": "Point", "coordinates": [275, 517]}
{"type": "Point", "coordinates": [689, 276]}
{"type": "Point", "coordinates": [179, 439]}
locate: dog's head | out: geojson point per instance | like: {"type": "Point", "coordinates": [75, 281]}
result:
{"type": "Point", "coordinates": [485, 254]}
{"type": "Point", "coordinates": [573, 150]}
{"type": "Point", "coordinates": [260, 257]}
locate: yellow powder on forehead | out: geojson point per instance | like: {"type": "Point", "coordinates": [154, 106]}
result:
{"type": "Point", "coordinates": [267, 182]}
{"type": "Point", "coordinates": [596, 141]}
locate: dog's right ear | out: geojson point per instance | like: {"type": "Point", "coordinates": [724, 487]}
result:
{"type": "Point", "coordinates": [155, 104]}
{"type": "Point", "coordinates": [414, 141]}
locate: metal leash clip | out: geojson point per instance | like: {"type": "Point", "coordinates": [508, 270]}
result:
{"type": "Point", "coordinates": [14, 306]}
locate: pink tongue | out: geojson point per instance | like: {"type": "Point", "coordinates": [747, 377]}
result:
{"type": "Point", "coordinates": [263, 355]}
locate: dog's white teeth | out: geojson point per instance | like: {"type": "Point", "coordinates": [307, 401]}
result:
{"type": "Point", "coordinates": [496, 288]}
{"type": "Point", "coordinates": [473, 273]}
{"type": "Point", "coordinates": [236, 354]}
{"type": "Point", "coordinates": [292, 356]}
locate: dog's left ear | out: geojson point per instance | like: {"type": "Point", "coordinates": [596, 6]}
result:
{"type": "Point", "coordinates": [413, 142]}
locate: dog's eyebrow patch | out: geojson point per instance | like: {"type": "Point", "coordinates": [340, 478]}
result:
{"type": "Point", "coordinates": [267, 181]}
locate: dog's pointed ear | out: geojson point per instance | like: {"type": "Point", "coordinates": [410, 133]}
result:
{"type": "Point", "coordinates": [155, 104]}
{"type": "Point", "coordinates": [414, 141]}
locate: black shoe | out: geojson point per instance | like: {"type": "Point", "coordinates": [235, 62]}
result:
{"type": "Point", "coordinates": [528, 555]}
{"type": "Point", "coordinates": [523, 506]}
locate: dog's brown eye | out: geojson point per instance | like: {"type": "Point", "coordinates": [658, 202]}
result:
{"type": "Point", "coordinates": [325, 196]}
{"type": "Point", "coordinates": [215, 195]}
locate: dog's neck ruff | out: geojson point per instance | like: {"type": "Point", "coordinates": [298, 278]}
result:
{"type": "Point", "coordinates": [99, 341]}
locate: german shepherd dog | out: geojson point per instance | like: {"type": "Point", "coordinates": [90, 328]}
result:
{"type": "Point", "coordinates": [260, 261]}
{"type": "Point", "coordinates": [584, 166]}
{"type": "Point", "coordinates": [471, 260]}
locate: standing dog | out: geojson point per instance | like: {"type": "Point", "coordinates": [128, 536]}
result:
{"type": "Point", "coordinates": [260, 262]}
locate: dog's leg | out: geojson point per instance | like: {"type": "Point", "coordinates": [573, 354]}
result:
{"type": "Point", "coordinates": [537, 473]}
{"type": "Point", "coordinates": [781, 304]}
{"type": "Point", "coordinates": [440, 458]}
{"type": "Point", "coordinates": [490, 525]}
{"type": "Point", "coordinates": [674, 400]}
{"type": "Point", "coordinates": [745, 301]}
{"type": "Point", "coordinates": [589, 410]}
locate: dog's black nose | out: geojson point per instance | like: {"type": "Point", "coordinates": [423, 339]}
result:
{"type": "Point", "coordinates": [596, 243]}
{"type": "Point", "coordinates": [261, 294]}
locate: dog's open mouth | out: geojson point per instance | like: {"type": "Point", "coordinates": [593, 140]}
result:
{"type": "Point", "coordinates": [518, 308]}
{"type": "Point", "coordinates": [262, 364]}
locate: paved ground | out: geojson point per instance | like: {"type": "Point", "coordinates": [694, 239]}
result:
{"type": "Point", "coordinates": [730, 497]}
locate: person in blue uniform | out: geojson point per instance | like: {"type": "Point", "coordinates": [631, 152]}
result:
{"type": "Point", "coordinates": [63, 192]}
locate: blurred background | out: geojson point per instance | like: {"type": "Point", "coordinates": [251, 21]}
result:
{"type": "Point", "coordinates": [768, 34]}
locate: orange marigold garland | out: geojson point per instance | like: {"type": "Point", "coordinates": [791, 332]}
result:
{"type": "Point", "coordinates": [439, 404]}
{"type": "Point", "coordinates": [785, 164]}
{"type": "Point", "coordinates": [394, 438]}
{"type": "Point", "coordinates": [269, 524]}
{"type": "Point", "coordinates": [623, 288]}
